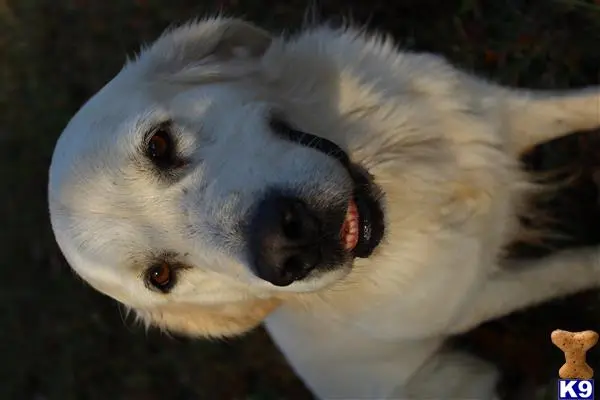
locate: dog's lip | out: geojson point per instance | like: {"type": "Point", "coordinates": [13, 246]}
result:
{"type": "Point", "coordinates": [371, 224]}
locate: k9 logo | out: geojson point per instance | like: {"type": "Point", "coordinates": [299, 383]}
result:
{"type": "Point", "coordinates": [575, 389]}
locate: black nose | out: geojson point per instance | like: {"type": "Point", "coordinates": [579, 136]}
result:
{"type": "Point", "coordinates": [284, 240]}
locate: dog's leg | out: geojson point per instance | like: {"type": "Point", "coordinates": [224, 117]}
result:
{"type": "Point", "coordinates": [537, 117]}
{"type": "Point", "coordinates": [450, 375]}
{"type": "Point", "coordinates": [531, 283]}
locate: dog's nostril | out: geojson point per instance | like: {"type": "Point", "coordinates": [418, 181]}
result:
{"type": "Point", "coordinates": [296, 222]}
{"type": "Point", "coordinates": [292, 229]}
{"type": "Point", "coordinates": [292, 269]}
{"type": "Point", "coordinates": [294, 265]}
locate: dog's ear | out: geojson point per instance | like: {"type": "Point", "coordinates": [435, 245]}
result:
{"type": "Point", "coordinates": [209, 321]}
{"type": "Point", "coordinates": [205, 50]}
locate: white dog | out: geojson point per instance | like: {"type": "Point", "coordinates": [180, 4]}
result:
{"type": "Point", "coordinates": [356, 198]}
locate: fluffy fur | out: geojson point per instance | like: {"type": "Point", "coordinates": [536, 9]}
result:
{"type": "Point", "coordinates": [441, 144]}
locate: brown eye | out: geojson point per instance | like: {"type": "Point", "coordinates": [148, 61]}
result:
{"type": "Point", "coordinates": [159, 144]}
{"type": "Point", "coordinates": [161, 277]}
{"type": "Point", "coordinates": [160, 148]}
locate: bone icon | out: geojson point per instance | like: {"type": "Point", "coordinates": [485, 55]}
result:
{"type": "Point", "coordinates": [574, 345]}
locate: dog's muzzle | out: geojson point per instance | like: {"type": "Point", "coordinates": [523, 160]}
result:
{"type": "Point", "coordinates": [288, 239]}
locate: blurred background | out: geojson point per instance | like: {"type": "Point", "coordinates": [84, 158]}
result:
{"type": "Point", "coordinates": [61, 340]}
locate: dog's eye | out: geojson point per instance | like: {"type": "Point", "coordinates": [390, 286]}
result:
{"type": "Point", "coordinates": [160, 148]}
{"type": "Point", "coordinates": [160, 144]}
{"type": "Point", "coordinates": [161, 276]}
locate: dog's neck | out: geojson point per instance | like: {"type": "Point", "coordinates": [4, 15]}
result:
{"type": "Point", "coordinates": [425, 132]}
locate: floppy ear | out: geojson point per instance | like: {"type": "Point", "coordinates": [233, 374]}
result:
{"type": "Point", "coordinates": [538, 117]}
{"type": "Point", "coordinates": [205, 49]}
{"type": "Point", "coordinates": [209, 321]}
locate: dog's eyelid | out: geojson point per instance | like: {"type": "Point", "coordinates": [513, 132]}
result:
{"type": "Point", "coordinates": [151, 129]}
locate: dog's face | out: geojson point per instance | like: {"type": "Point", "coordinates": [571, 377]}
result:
{"type": "Point", "coordinates": [181, 190]}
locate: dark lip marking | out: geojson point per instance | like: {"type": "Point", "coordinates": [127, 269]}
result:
{"type": "Point", "coordinates": [309, 140]}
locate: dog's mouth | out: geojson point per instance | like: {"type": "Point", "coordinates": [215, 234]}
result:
{"type": "Point", "coordinates": [363, 227]}
{"type": "Point", "coordinates": [349, 231]}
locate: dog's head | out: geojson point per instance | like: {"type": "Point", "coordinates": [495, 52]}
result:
{"type": "Point", "coordinates": [182, 190]}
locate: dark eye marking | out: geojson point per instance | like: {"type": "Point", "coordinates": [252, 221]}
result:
{"type": "Point", "coordinates": [160, 147]}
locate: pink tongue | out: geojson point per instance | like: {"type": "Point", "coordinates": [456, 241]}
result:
{"type": "Point", "coordinates": [349, 231]}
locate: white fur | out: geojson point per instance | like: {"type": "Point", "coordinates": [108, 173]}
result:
{"type": "Point", "coordinates": [442, 145]}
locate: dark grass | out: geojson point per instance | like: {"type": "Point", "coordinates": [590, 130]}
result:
{"type": "Point", "coordinates": [61, 340]}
